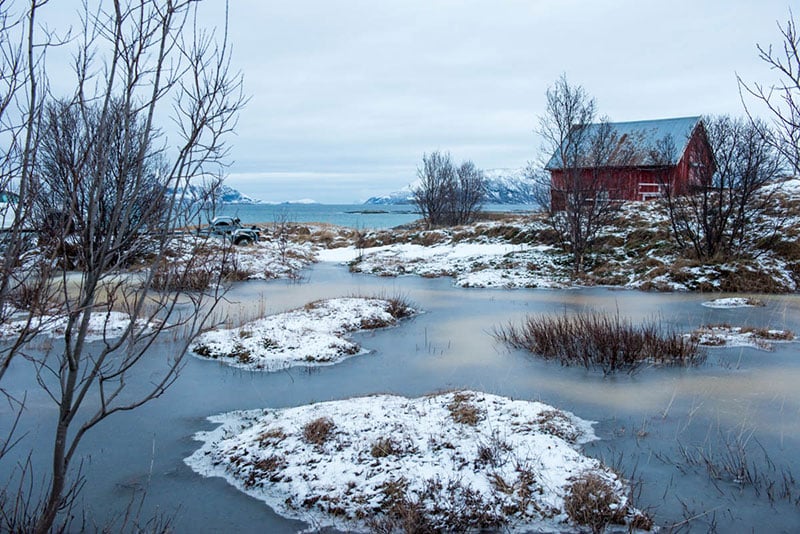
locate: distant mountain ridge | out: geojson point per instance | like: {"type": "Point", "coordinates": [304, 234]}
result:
{"type": "Point", "coordinates": [228, 195]}
{"type": "Point", "coordinates": [503, 186]}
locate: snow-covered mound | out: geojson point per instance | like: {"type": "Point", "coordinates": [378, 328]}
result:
{"type": "Point", "coordinates": [313, 335]}
{"type": "Point", "coordinates": [733, 302]}
{"type": "Point", "coordinates": [740, 336]}
{"type": "Point", "coordinates": [463, 461]}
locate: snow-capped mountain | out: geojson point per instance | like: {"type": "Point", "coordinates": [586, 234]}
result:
{"type": "Point", "coordinates": [224, 195]}
{"type": "Point", "coordinates": [509, 186]}
{"type": "Point", "coordinates": [503, 186]}
{"type": "Point", "coordinates": [229, 195]}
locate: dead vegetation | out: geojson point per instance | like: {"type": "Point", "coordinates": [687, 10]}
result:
{"type": "Point", "coordinates": [318, 431]}
{"type": "Point", "coordinates": [384, 447]}
{"type": "Point", "coordinates": [439, 506]}
{"type": "Point", "coordinates": [592, 501]}
{"type": "Point", "coordinates": [557, 423]}
{"type": "Point", "coordinates": [606, 342]}
{"type": "Point", "coordinates": [463, 410]}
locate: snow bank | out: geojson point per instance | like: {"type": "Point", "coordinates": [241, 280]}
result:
{"type": "Point", "coordinates": [496, 264]}
{"type": "Point", "coordinates": [732, 302]}
{"type": "Point", "coordinates": [314, 335]}
{"type": "Point", "coordinates": [102, 325]}
{"type": "Point", "coordinates": [466, 458]}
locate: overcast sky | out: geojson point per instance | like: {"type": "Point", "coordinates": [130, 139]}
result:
{"type": "Point", "coordinates": [347, 95]}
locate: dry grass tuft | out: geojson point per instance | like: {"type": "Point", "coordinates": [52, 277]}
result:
{"type": "Point", "coordinates": [271, 437]}
{"type": "Point", "coordinates": [463, 411]}
{"type": "Point", "coordinates": [266, 469]}
{"type": "Point", "coordinates": [384, 447]}
{"type": "Point", "coordinates": [591, 501]}
{"type": "Point", "coordinates": [318, 431]}
{"type": "Point", "coordinates": [241, 354]}
{"type": "Point", "coordinates": [399, 307]}
{"type": "Point", "coordinates": [556, 423]}
{"type": "Point", "coordinates": [440, 506]}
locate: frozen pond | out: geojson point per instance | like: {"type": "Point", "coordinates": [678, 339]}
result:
{"type": "Point", "coordinates": [662, 427]}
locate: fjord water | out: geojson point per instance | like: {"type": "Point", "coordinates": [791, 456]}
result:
{"type": "Point", "coordinates": [649, 422]}
{"type": "Point", "coordinates": [359, 216]}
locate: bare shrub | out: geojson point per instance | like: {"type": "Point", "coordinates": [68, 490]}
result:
{"type": "Point", "coordinates": [591, 501]}
{"type": "Point", "coordinates": [600, 341]}
{"type": "Point", "coordinates": [576, 194]}
{"type": "Point", "coordinates": [171, 276]}
{"type": "Point", "coordinates": [318, 431]}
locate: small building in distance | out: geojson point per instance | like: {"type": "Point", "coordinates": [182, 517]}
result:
{"type": "Point", "coordinates": [631, 160]}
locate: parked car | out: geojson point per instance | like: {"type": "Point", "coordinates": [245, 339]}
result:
{"type": "Point", "coordinates": [231, 228]}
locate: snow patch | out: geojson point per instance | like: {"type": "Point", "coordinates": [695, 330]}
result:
{"type": "Point", "coordinates": [733, 302]}
{"type": "Point", "coordinates": [102, 325]}
{"type": "Point", "coordinates": [738, 336]}
{"type": "Point", "coordinates": [312, 336]}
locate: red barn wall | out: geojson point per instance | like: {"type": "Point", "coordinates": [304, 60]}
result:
{"type": "Point", "coordinates": [642, 183]}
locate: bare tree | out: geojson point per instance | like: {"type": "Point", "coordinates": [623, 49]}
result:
{"type": "Point", "coordinates": [22, 86]}
{"type": "Point", "coordinates": [781, 98]}
{"type": "Point", "coordinates": [713, 218]}
{"type": "Point", "coordinates": [78, 141]}
{"type": "Point", "coordinates": [448, 195]}
{"type": "Point", "coordinates": [469, 193]}
{"type": "Point", "coordinates": [582, 153]}
{"type": "Point", "coordinates": [120, 186]}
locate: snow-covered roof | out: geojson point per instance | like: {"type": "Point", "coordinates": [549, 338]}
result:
{"type": "Point", "coordinates": [639, 143]}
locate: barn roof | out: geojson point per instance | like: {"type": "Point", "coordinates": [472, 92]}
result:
{"type": "Point", "coordinates": [643, 137]}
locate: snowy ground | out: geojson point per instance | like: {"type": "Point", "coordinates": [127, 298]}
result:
{"type": "Point", "coordinates": [313, 335]}
{"type": "Point", "coordinates": [523, 252]}
{"type": "Point", "coordinates": [267, 259]}
{"type": "Point", "coordinates": [636, 252]}
{"type": "Point", "coordinates": [102, 325]}
{"type": "Point", "coordinates": [488, 264]}
{"type": "Point", "coordinates": [737, 336]}
{"type": "Point", "coordinates": [465, 460]}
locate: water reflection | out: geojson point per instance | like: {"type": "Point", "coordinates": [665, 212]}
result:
{"type": "Point", "coordinates": [647, 420]}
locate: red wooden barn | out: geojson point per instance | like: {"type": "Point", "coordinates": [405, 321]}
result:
{"type": "Point", "coordinates": [637, 161]}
